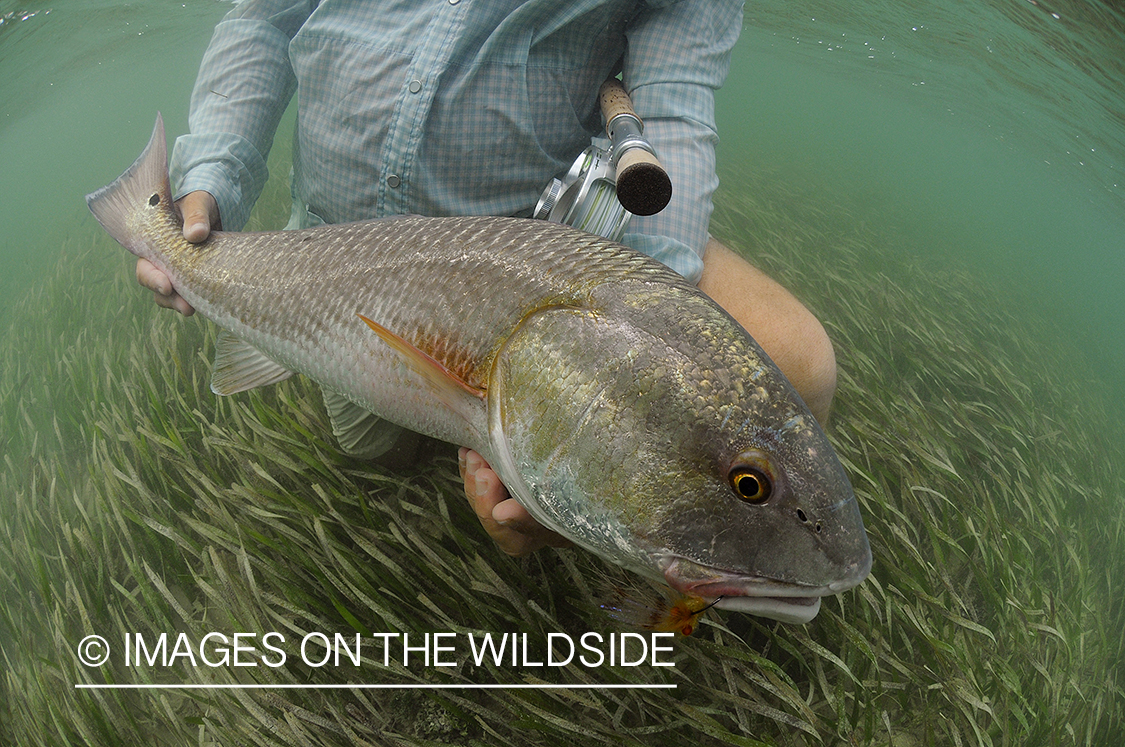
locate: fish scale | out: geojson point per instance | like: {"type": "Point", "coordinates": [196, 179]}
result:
{"type": "Point", "coordinates": [619, 404]}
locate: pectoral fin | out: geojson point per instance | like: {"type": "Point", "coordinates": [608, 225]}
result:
{"type": "Point", "coordinates": [239, 366]}
{"type": "Point", "coordinates": [450, 387]}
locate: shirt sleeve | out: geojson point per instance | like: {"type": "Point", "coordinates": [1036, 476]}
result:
{"type": "Point", "coordinates": [678, 55]}
{"type": "Point", "coordinates": [244, 85]}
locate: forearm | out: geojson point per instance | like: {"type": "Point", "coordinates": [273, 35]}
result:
{"type": "Point", "coordinates": [678, 56]}
{"type": "Point", "coordinates": [678, 234]}
{"type": "Point", "coordinates": [244, 85]}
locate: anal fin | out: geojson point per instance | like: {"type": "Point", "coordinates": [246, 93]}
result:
{"type": "Point", "coordinates": [239, 366]}
{"type": "Point", "coordinates": [361, 433]}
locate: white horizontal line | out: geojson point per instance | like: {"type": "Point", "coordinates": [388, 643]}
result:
{"type": "Point", "coordinates": [375, 687]}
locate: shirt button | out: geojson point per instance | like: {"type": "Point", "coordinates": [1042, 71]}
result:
{"type": "Point", "coordinates": [415, 86]}
{"type": "Point", "coordinates": [393, 181]}
{"type": "Point", "coordinates": [454, 2]}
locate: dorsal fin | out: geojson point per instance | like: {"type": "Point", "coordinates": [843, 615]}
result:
{"type": "Point", "coordinates": [239, 366]}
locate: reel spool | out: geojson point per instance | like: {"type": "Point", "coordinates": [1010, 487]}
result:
{"type": "Point", "coordinates": [586, 197]}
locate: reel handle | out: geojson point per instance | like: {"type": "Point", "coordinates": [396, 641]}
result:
{"type": "Point", "coordinates": [643, 186]}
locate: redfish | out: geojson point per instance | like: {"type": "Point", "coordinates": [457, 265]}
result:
{"type": "Point", "coordinates": [619, 404]}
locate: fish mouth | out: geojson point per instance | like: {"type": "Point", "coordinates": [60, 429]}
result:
{"type": "Point", "coordinates": [755, 595]}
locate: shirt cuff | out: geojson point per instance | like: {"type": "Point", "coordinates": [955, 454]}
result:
{"type": "Point", "coordinates": [225, 165]}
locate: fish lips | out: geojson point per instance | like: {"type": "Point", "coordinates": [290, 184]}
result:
{"type": "Point", "coordinates": [755, 595]}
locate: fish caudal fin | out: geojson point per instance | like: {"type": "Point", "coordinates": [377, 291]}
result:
{"type": "Point", "coordinates": [115, 204]}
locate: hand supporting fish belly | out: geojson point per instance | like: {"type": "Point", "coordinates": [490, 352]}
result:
{"type": "Point", "coordinates": [620, 406]}
{"type": "Point", "coordinates": [506, 521]}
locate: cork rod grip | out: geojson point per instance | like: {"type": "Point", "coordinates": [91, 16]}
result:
{"type": "Point", "coordinates": [615, 100]}
{"type": "Point", "coordinates": [643, 186]}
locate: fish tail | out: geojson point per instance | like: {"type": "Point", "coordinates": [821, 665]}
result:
{"type": "Point", "coordinates": [143, 186]}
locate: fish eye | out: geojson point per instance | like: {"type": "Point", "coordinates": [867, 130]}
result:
{"type": "Point", "coordinates": [751, 484]}
{"type": "Point", "coordinates": [154, 200]}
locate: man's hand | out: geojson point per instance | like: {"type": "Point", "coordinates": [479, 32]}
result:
{"type": "Point", "coordinates": [200, 213]}
{"type": "Point", "coordinates": [505, 520]}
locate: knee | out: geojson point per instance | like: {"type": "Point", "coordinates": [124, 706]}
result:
{"type": "Point", "coordinates": [814, 367]}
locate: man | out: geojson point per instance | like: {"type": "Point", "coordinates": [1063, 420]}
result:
{"type": "Point", "coordinates": [446, 107]}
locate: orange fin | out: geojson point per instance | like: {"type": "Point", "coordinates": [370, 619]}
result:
{"type": "Point", "coordinates": [431, 370]}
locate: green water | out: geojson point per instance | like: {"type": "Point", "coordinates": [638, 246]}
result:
{"type": "Point", "coordinates": [942, 183]}
{"type": "Point", "coordinates": [991, 134]}
{"type": "Point", "coordinates": [81, 85]}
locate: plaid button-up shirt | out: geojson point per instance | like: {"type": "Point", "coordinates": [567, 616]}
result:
{"type": "Point", "coordinates": [454, 107]}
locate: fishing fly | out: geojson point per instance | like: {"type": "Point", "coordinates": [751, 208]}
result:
{"type": "Point", "coordinates": [661, 613]}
